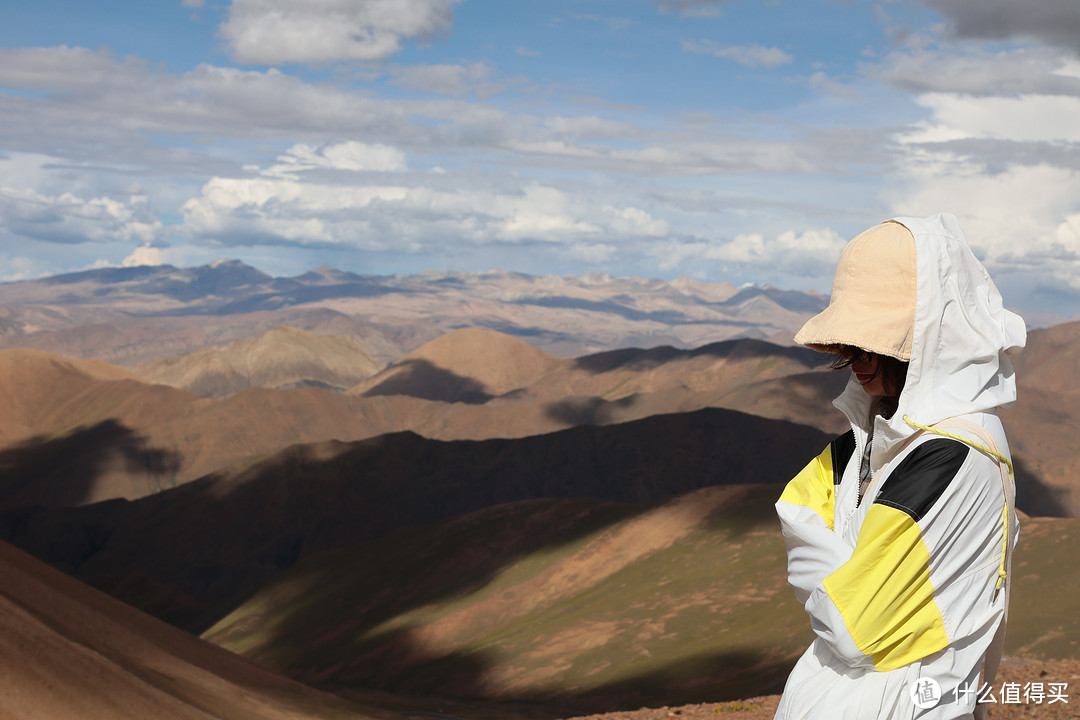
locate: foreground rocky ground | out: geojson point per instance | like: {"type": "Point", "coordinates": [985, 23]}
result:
{"type": "Point", "coordinates": [1015, 676]}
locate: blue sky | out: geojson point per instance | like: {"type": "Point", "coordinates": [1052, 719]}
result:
{"type": "Point", "coordinates": [721, 139]}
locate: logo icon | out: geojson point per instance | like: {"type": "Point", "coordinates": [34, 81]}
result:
{"type": "Point", "coordinates": [925, 693]}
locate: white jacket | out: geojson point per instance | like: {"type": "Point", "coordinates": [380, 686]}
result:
{"type": "Point", "coordinates": [904, 584]}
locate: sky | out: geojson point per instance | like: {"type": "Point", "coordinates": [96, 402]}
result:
{"type": "Point", "coordinates": [725, 140]}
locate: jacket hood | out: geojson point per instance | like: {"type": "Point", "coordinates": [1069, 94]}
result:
{"type": "Point", "coordinates": [961, 342]}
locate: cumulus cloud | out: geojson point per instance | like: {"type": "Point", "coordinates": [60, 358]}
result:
{"type": "Point", "coordinates": [806, 254]}
{"type": "Point", "coordinates": [272, 32]}
{"type": "Point", "coordinates": [635, 221]}
{"type": "Point", "coordinates": [748, 55]}
{"type": "Point", "coordinates": [1027, 118]}
{"type": "Point", "coordinates": [67, 218]}
{"type": "Point", "coordinates": [998, 143]}
{"type": "Point", "coordinates": [418, 212]}
{"type": "Point", "coordinates": [144, 255]}
{"type": "Point", "coordinates": [1007, 213]}
{"type": "Point", "coordinates": [1054, 22]}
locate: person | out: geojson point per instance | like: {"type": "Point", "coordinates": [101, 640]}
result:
{"type": "Point", "coordinates": [899, 534]}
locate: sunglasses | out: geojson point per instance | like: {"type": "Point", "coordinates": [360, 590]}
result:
{"type": "Point", "coordinates": [852, 354]}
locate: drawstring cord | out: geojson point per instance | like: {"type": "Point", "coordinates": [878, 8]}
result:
{"type": "Point", "coordinates": [1002, 573]}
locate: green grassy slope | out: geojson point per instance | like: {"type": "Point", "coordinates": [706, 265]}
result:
{"type": "Point", "coordinates": [584, 606]}
{"type": "Point", "coordinates": [1044, 621]}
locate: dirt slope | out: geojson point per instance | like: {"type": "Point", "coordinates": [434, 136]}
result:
{"type": "Point", "coordinates": [281, 358]}
{"type": "Point", "coordinates": [184, 555]}
{"type": "Point", "coordinates": [78, 432]}
{"type": "Point", "coordinates": [1042, 424]}
{"type": "Point", "coordinates": [68, 651]}
{"type": "Point", "coordinates": [581, 606]}
{"type": "Point", "coordinates": [470, 365]}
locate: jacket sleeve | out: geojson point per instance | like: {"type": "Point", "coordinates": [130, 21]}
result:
{"type": "Point", "coordinates": [806, 517]}
{"type": "Point", "coordinates": [931, 523]}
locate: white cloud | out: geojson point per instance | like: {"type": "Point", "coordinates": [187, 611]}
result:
{"type": "Point", "coordinates": [22, 268]}
{"type": "Point", "coordinates": [67, 218]}
{"type": "Point", "coordinates": [926, 67]}
{"type": "Point", "coordinates": [635, 221]}
{"type": "Point", "coordinates": [807, 254]}
{"type": "Point", "coordinates": [449, 80]}
{"type": "Point", "coordinates": [672, 254]}
{"type": "Point", "coordinates": [272, 32]}
{"type": "Point", "coordinates": [594, 254]}
{"type": "Point", "coordinates": [1026, 118]}
{"type": "Point", "coordinates": [999, 144]}
{"type": "Point", "coordinates": [144, 255]}
{"type": "Point", "coordinates": [130, 104]}
{"type": "Point", "coordinates": [544, 213]}
{"type": "Point", "coordinates": [748, 55]}
{"type": "Point", "coordinates": [351, 155]}
{"type": "Point", "coordinates": [1013, 212]}
{"type": "Point", "coordinates": [409, 217]}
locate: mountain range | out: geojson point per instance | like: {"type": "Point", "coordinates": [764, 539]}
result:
{"type": "Point", "coordinates": [549, 496]}
{"type": "Point", "coordinates": [130, 316]}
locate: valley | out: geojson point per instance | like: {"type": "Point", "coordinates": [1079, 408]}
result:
{"type": "Point", "coordinates": [509, 496]}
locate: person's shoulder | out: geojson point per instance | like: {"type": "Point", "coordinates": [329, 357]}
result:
{"type": "Point", "coordinates": [923, 475]}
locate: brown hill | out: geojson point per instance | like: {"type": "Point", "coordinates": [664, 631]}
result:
{"type": "Point", "coordinates": [31, 381]}
{"type": "Point", "coordinates": [182, 554]}
{"type": "Point", "coordinates": [582, 606]}
{"type": "Point", "coordinates": [516, 391]}
{"type": "Point", "coordinates": [69, 651]}
{"type": "Point", "coordinates": [1042, 424]}
{"type": "Point", "coordinates": [492, 365]}
{"type": "Point", "coordinates": [470, 365]}
{"type": "Point", "coordinates": [82, 432]}
{"type": "Point", "coordinates": [282, 358]}
{"type": "Point", "coordinates": [133, 315]}
{"type": "Point", "coordinates": [571, 605]}
{"type": "Point", "coordinates": [126, 340]}
{"type": "Point", "coordinates": [76, 432]}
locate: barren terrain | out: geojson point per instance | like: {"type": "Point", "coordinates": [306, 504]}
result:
{"type": "Point", "coordinates": [487, 496]}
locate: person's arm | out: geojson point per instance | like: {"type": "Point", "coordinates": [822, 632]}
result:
{"type": "Point", "coordinates": [929, 534]}
{"type": "Point", "coordinates": [806, 509]}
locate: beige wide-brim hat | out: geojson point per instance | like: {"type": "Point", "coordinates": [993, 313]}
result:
{"type": "Point", "coordinates": [873, 296]}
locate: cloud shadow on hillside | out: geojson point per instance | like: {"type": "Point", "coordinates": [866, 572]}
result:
{"type": "Point", "coordinates": [1035, 497]}
{"type": "Point", "coordinates": [392, 658]}
{"type": "Point", "coordinates": [639, 360]}
{"type": "Point", "coordinates": [587, 411]}
{"type": "Point", "coordinates": [188, 543]}
{"type": "Point", "coordinates": [64, 471]}
{"type": "Point", "coordinates": [463, 678]}
{"type": "Point", "coordinates": [422, 379]}
{"type": "Point", "coordinates": [194, 553]}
